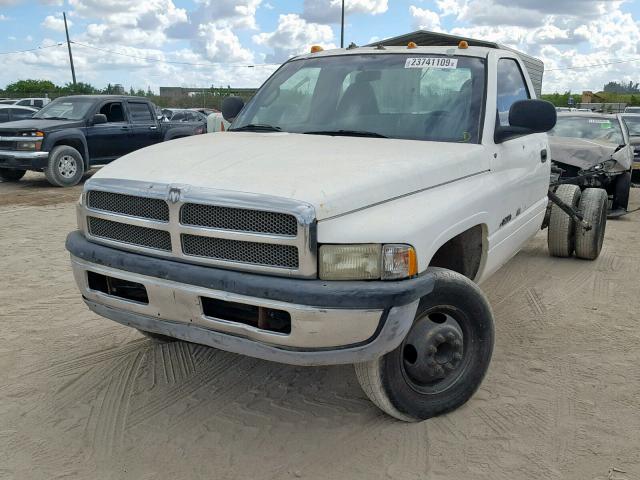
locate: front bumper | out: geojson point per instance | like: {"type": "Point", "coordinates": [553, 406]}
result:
{"type": "Point", "coordinates": [331, 322]}
{"type": "Point", "coordinates": [23, 160]}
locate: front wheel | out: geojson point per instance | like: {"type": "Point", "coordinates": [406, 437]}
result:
{"type": "Point", "coordinates": [65, 166]}
{"type": "Point", "coordinates": [444, 357]}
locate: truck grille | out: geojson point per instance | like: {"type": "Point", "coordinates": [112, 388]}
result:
{"type": "Point", "coordinates": [143, 207]}
{"type": "Point", "coordinates": [131, 234]}
{"type": "Point", "coordinates": [285, 256]}
{"type": "Point", "coordinates": [239, 219]}
{"type": "Point", "coordinates": [189, 228]}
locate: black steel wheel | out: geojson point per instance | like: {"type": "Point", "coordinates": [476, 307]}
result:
{"type": "Point", "coordinates": [443, 358]}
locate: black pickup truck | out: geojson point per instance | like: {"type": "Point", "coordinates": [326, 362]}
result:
{"type": "Point", "coordinates": [71, 134]}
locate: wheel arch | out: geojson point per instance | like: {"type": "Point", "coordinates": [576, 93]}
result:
{"type": "Point", "coordinates": [72, 139]}
{"type": "Point", "coordinates": [462, 249]}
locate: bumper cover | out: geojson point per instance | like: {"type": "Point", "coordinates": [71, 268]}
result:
{"type": "Point", "coordinates": [332, 322]}
{"type": "Point", "coordinates": [23, 160]}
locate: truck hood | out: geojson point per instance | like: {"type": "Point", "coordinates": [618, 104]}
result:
{"type": "Point", "coordinates": [584, 154]}
{"type": "Point", "coordinates": [33, 124]}
{"type": "Point", "coordinates": [334, 174]}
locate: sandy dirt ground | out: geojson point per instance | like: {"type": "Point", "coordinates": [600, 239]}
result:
{"type": "Point", "coordinates": [84, 398]}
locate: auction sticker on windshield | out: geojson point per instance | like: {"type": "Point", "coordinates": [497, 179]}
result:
{"type": "Point", "coordinates": [435, 62]}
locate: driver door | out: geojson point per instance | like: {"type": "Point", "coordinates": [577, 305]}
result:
{"type": "Point", "coordinates": [107, 141]}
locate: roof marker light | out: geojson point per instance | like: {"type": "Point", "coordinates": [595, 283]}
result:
{"type": "Point", "coordinates": [463, 45]}
{"type": "Point", "coordinates": [316, 49]}
{"type": "Point", "coordinates": [411, 45]}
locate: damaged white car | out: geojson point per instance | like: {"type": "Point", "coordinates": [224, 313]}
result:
{"type": "Point", "coordinates": [593, 150]}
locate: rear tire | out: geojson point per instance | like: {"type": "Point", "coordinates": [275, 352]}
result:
{"type": "Point", "coordinates": [157, 337]}
{"type": "Point", "coordinates": [561, 234]}
{"type": "Point", "coordinates": [621, 191]}
{"type": "Point", "coordinates": [443, 359]}
{"type": "Point", "coordinates": [593, 206]}
{"type": "Point", "coordinates": [11, 174]}
{"type": "Point", "coordinates": [65, 167]}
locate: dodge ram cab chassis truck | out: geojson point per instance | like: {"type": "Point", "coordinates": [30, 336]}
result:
{"type": "Point", "coordinates": [346, 217]}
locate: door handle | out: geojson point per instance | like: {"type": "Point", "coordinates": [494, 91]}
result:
{"type": "Point", "coordinates": [153, 127]}
{"type": "Point", "coordinates": [543, 155]}
{"type": "Point", "coordinates": [124, 128]}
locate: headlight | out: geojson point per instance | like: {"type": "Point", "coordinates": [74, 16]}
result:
{"type": "Point", "coordinates": [604, 165]}
{"type": "Point", "coordinates": [367, 262]}
{"type": "Point", "coordinates": [29, 146]}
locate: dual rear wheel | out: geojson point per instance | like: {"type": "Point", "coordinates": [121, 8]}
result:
{"type": "Point", "coordinates": [564, 236]}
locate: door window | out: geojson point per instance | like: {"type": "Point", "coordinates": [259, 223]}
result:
{"type": "Point", "coordinates": [38, 103]}
{"type": "Point", "coordinates": [140, 112]}
{"type": "Point", "coordinates": [24, 102]}
{"type": "Point", "coordinates": [4, 115]}
{"type": "Point", "coordinates": [511, 88]}
{"type": "Point", "coordinates": [20, 113]}
{"type": "Point", "coordinates": [114, 111]}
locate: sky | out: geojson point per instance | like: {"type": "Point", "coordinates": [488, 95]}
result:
{"type": "Point", "coordinates": [146, 44]}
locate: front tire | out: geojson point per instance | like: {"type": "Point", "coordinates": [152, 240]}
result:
{"type": "Point", "coordinates": [443, 359]}
{"type": "Point", "coordinates": [622, 190]}
{"type": "Point", "coordinates": [11, 174]}
{"type": "Point", "coordinates": [65, 167]}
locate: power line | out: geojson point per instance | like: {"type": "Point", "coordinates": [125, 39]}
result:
{"type": "Point", "coordinates": [42, 47]}
{"type": "Point", "coordinates": [594, 65]}
{"type": "Point", "coordinates": [149, 59]}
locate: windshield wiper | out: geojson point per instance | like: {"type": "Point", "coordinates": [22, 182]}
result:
{"type": "Point", "coordinates": [347, 133]}
{"type": "Point", "coordinates": [52, 118]}
{"type": "Point", "coordinates": [256, 127]}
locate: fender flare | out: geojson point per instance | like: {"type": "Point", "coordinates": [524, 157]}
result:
{"type": "Point", "coordinates": [478, 219]}
{"type": "Point", "coordinates": [76, 134]}
{"type": "Point", "coordinates": [179, 132]}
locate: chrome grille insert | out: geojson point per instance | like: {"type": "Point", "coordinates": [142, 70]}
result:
{"type": "Point", "coordinates": [273, 255]}
{"type": "Point", "coordinates": [201, 225]}
{"type": "Point", "coordinates": [142, 207]}
{"type": "Point", "coordinates": [131, 234]}
{"type": "Point", "coordinates": [239, 219]}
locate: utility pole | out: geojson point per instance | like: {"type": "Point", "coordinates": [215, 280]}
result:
{"type": "Point", "coordinates": [73, 70]}
{"type": "Point", "coordinates": [341, 27]}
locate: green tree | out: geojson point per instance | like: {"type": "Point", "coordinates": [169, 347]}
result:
{"type": "Point", "coordinates": [31, 86]}
{"type": "Point", "coordinates": [80, 88]}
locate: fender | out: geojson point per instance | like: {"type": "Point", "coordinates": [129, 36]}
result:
{"type": "Point", "coordinates": [76, 134]}
{"type": "Point", "coordinates": [179, 132]}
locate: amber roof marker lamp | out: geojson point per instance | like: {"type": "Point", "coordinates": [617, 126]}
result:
{"type": "Point", "coordinates": [463, 45]}
{"type": "Point", "coordinates": [412, 45]}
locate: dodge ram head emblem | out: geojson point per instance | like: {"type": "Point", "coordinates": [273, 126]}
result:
{"type": "Point", "coordinates": [174, 195]}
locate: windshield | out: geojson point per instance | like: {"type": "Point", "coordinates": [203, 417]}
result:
{"type": "Point", "coordinates": [66, 109]}
{"type": "Point", "coordinates": [421, 97]}
{"type": "Point", "coordinates": [590, 128]}
{"type": "Point", "coordinates": [633, 125]}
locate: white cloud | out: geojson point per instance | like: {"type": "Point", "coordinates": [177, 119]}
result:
{"type": "Point", "coordinates": [3, 18]}
{"type": "Point", "coordinates": [328, 11]}
{"type": "Point", "coordinates": [424, 19]}
{"type": "Point", "coordinates": [221, 45]}
{"type": "Point", "coordinates": [142, 23]}
{"type": "Point", "coordinates": [563, 33]}
{"type": "Point", "coordinates": [294, 35]}
{"type": "Point", "coordinates": [55, 23]}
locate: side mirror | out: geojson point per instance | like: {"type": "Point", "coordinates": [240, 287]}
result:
{"type": "Point", "coordinates": [526, 117]}
{"type": "Point", "coordinates": [231, 107]}
{"type": "Point", "coordinates": [99, 118]}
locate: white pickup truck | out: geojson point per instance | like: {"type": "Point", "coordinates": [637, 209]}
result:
{"type": "Point", "coordinates": [346, 217]}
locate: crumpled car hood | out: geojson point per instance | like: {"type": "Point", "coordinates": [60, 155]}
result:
{"type": "Point", "coordinates": [584, 154]}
